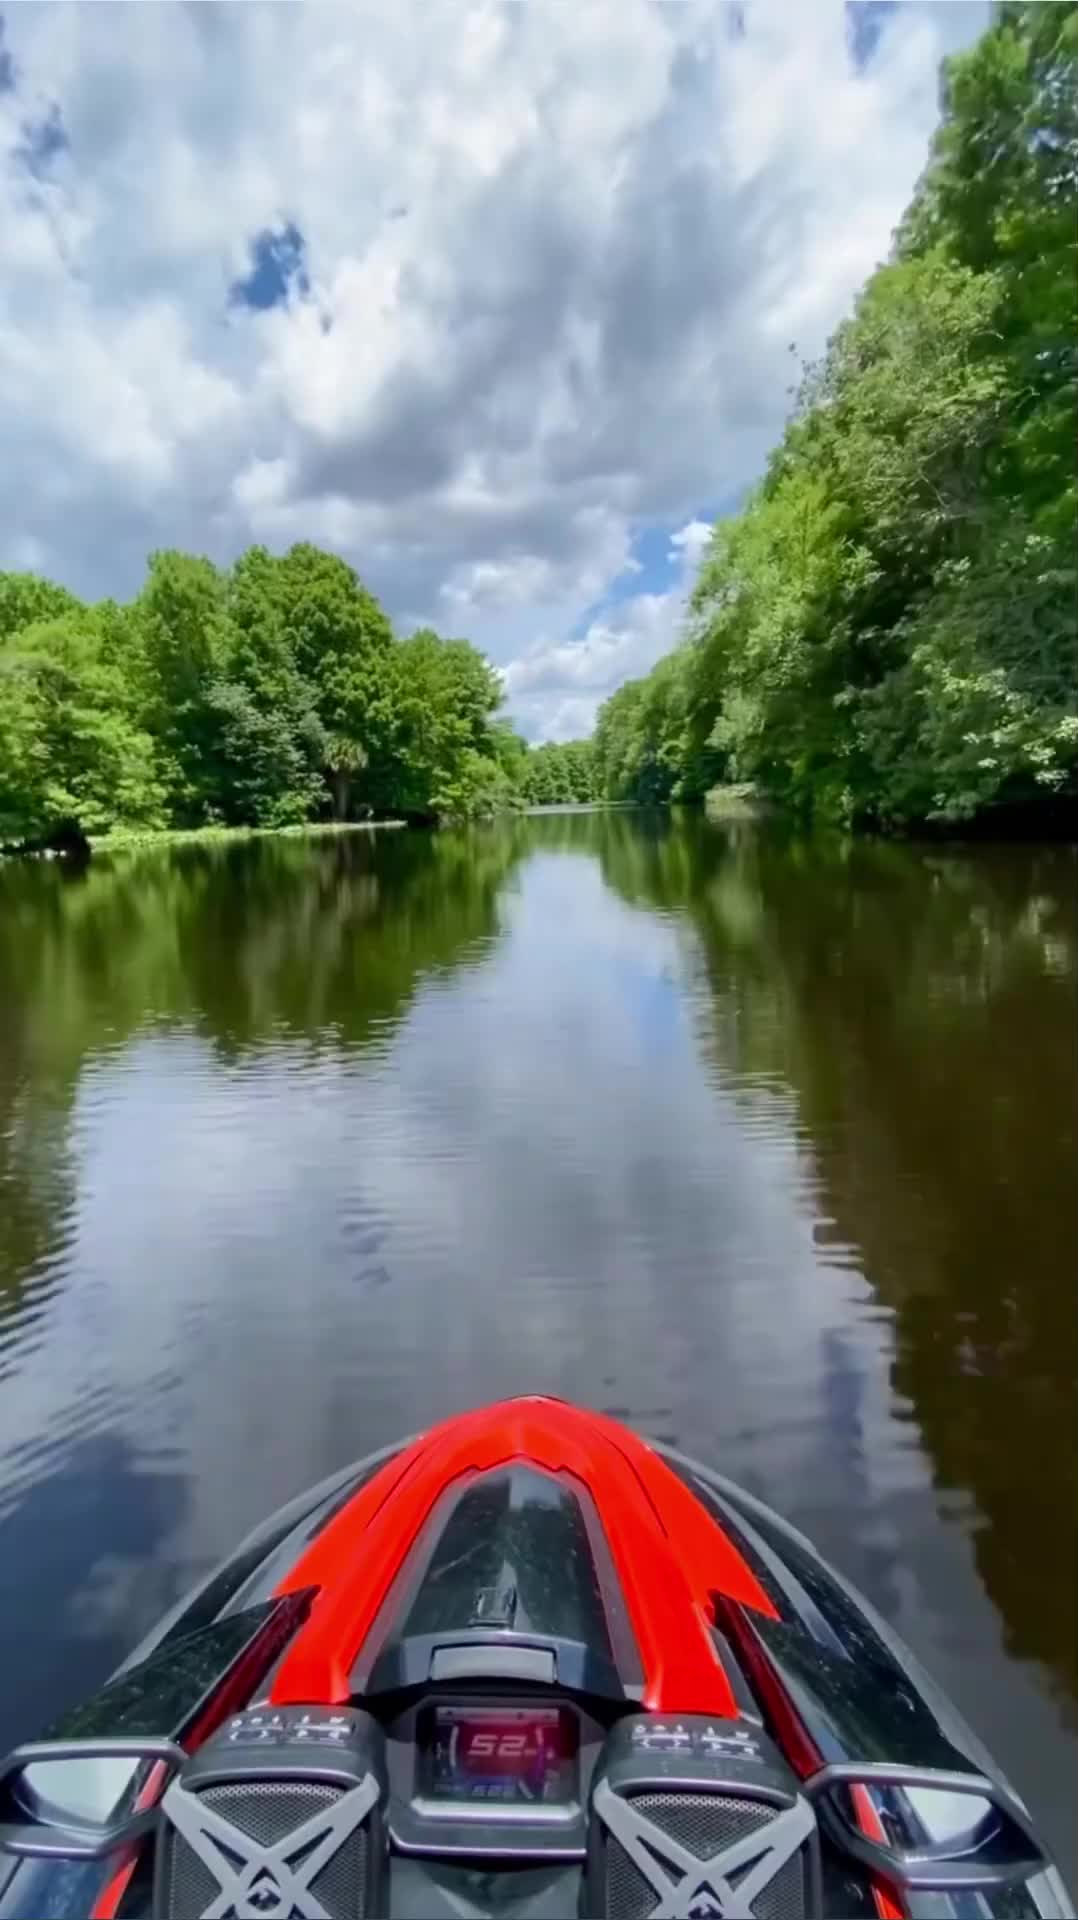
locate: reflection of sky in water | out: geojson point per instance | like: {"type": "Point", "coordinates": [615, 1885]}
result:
{"type": "Point", "coordinates": [85, 1537]}
{"type": "Point", "coordinates": [538, 1181]}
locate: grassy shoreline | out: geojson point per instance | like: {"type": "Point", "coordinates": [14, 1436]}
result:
{"type": "Point", "coordinates": [124, 839]}
{"type": "Point", "coordinates": [137, 839]}
{"type": "Point", "coordinates": [737, 802]}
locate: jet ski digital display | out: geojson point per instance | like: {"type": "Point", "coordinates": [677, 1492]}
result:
{"type": "Point", "coordinates": [510, 1755]}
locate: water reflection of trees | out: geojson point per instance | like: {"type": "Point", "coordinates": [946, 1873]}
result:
{"type": "Point", "coordinates": [322, 939]}
{"type": "Point", "coordinates": [920, 1000]}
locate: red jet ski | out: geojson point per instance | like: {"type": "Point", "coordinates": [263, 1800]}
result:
{"type": "Point", "coordinates": [525, 1665]}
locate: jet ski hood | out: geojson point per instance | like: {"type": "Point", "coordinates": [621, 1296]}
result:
{"type": "Point", "coordinates": [527, 1663]}
{"type": "Point", "coordinates": [540, 1523]}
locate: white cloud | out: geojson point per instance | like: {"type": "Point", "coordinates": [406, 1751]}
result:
{"type": "Point", "coordinates": [691, 540]}
{"type": "Point", "coordinates": [556, 688]}
{"type": "Point", "coordinates": [554, 256]}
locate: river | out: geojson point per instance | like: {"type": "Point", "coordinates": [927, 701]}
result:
{"type": "Point", "coordinates": [766, 1144]}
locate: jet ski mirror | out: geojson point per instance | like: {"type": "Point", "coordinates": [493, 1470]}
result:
{"type": "Point", "coordinates": [926, 1830]}
{"type": "Point", "coordinates": [76, 1799]}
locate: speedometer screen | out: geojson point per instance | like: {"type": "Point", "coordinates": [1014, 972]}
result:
{"type": "Point", "coordinates": [522, 1755]}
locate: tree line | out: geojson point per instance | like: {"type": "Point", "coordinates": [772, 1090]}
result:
{"type": "Point", "coordinates": [888, 633]}
{"type": "Point", "coordinates": [266, 694]}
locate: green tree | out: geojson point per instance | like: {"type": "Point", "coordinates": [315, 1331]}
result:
{"type": "Point", "coordinates": [615, 735]}
{"type": "Point", "coordinates": [511, 751]}
{"type": "Point", "coordinates": [263, 694]}
{"type": "Point", "coordinates": [559, 773]}
{"type": "Point", "coordinates": [26, 598]}
{"type": "Point", "coordinates": [646, 749]}
{"type": "Point", "coordinates": [184, 643]}
{"type": "Point", "coordinates": [445, 762]}
{"type": "Point", "coordinates": [314, 648]}
{"type": "Point", "coordinates": [71, 752]}
{"type": "Point", "coordinates": [888, 631]}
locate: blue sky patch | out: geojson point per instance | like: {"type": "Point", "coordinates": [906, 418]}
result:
{"type": "Point", "coordinates": [652, 554]}
{"type": "Point", "coordinates": [41, 141]}
{"type": "Point", "coordinates": [657, 568]}
{"type": "Point", "coordinates": [278, 265]}
{"type": "Point", "coordinates": [865, 21]}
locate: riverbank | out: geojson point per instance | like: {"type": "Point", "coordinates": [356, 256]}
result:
{"type": "Point", "coordinates": [127, 839]}
{"type": "Point", "coordinates": [137, 839]}
{"type": "Point", "coordinates": [744, 802]}
{"type": "Point", "coordinates": [1051, 820]}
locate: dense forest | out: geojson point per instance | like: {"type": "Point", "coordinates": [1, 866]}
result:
{"type": "Point", "coordinates": [888, 632]}
{"type": "Point", "coordinates": [267, 694]}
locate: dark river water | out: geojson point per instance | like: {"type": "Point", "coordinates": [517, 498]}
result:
{"type": "Point", "coordinates": [766, 1145]}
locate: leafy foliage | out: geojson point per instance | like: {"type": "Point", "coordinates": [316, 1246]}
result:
{"type": "Point", "coordinates": [267, 694]}
{"type": "Point", "coordinates": [889, 631]}
{"type": "Point", "coordinates": [25, 598]}
{"type": "Point", "coordinates": [559, 774]}
{"type": "Point", "coordinates": [653, 737]}
{"type": "Point", "coordinates": [445, 695]}
{"type": "Point", "coordinates": [71, 750]}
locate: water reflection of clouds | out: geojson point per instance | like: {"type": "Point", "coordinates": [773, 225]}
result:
{"type": "Point", "coordinates": [87, 1547]}
{"type": "Point", "coordinates": [548, 1185]}
{"type": "Point", "coordinates": [538, 1131]}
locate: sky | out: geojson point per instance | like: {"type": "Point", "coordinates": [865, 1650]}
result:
{"type": "Point", "coordinates": [494, 299]}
